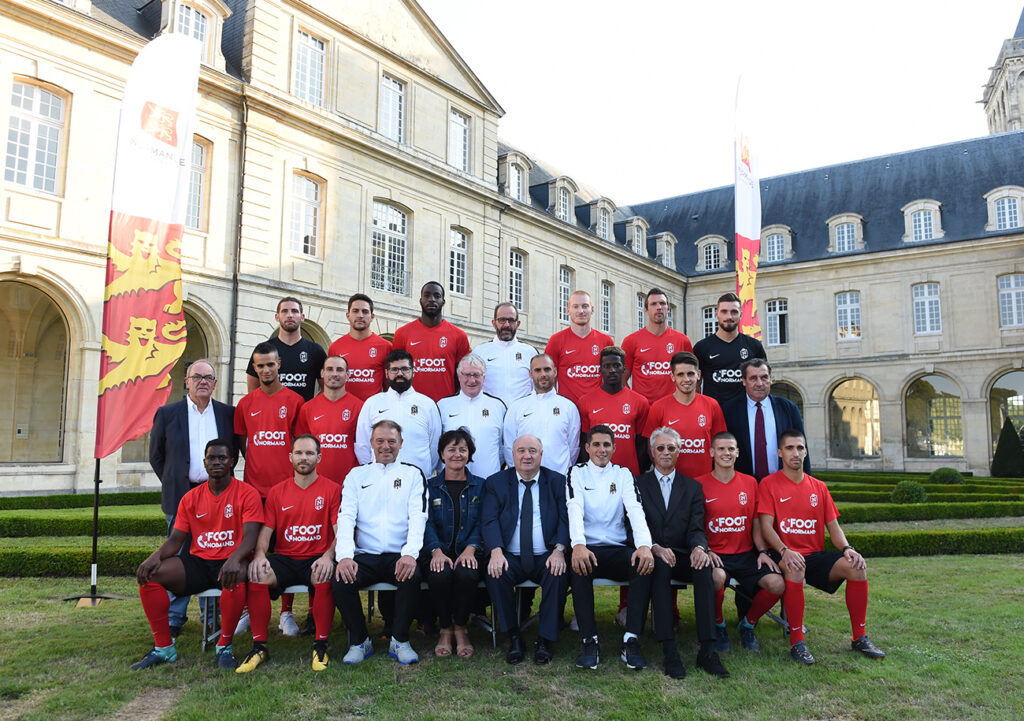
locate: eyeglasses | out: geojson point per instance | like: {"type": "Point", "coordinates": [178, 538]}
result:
{"type": "Point", "coordinates": [472, 376]}
{"type": "Point", "coordinates": [404, 370]}
{"type": "Point", "coordinates": [506, 321]}
{"type": "Point", "coordinates": [195, 378]}
{"type": "Point", "coordinates": [670, 449]}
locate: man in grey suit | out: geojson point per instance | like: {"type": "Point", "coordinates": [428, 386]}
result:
{"type": "Point", "coordinates": [757, 419]}
{"type": "Point", "coordinates": [180, 433]}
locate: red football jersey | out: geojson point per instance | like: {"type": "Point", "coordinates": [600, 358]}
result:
{"type": "Point", "coordinates": [648, 359]}
{"type": "Point", "coordinates": [696, 425]}
{"type": "Point", "coordinates": [625, 413]}
{"type": "Point", "coordinates": [801, 510]}
{"type": "Point", "coordinates": [436, 351]}
{"type": "Point", "coordinates": [365, 363]}
{"type": "Point", "coordinates": [334, 425]}
{"type": "Point", "coordinates": [729, 512]}
{"type": "Point", "coordinates": [215, 522]}
{"type": "Point", "coordinates": [268, 423]}
{"type": "Point", "coordinates": [578, 361]}
{"type": "Point", "coordinates": [303, 518]}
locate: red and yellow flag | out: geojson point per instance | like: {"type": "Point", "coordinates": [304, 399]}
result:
{"type": "Point", "coordinates": [143, 322]}
{"type": "Point", "coordinates": [748, 222]}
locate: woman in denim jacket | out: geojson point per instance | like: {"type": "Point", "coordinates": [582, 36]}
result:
{"type": "Point", "coordinates": [452, 557]}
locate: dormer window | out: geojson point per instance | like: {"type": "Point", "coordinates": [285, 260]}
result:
{"type": "Point", "coordinates": [562, 199]}
{"type": "Point", "coordinates": [1004, 208]}
{"type": "Point", "coordinates": [776, 243]}
{"type": "Point", "coordinates": [199, 19]}
{"type": "Point", "coordinates": [712, 252]}
{"type": "Point", "coordinates": [601, 221]}
{"type": "Point", "coordinates": [845, 233]}
{"type": "Point", "coordinates": [564, 205]}
{"type": "Point", "coordinates": [513, 175]}
{"type": "Point", "coordinates": [636, 235]}
{"type": "Point", "coordinates": [193, 23]}
{"type": "Point", "coordinates": [922, 220]}
{"type": "Point", "coordinates": [665, 244]}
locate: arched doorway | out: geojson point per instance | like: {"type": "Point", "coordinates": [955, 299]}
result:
{"type": "Point", "coordinates": [935, 424]}
{"type": "Point", "coordinates": [853, 419]}
{"type": "Point", "coordinates": [790, 392]}
{"type": "Point", "coordinates": [1006, 400]}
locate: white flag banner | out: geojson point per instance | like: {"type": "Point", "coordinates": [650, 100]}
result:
{"type": "Point", "coordinates": [747, 217]}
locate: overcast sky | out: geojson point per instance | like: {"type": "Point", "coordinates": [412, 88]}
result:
{"type": "Point", "coordinates": [635, 99]}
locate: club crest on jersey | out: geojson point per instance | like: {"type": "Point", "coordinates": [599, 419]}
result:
{"type": "Point", "coordinates": [556, 411]}
{"type": "Point", "coordinates": [611, 488]}
{"type": "Point", "coordinates": [303, 357]}
{"type": "Point", "coordinates": [318, 504]}
{"type": "Point", "coordinates": [595, 350]}
{"type": "Point", "coordinates": [744, 353]}
{"type": "Point", "coordinates": [444, 341]}
{"type": "Point", "coordinates": [702, 420]}
{"type": "Point", "coordinates": [282, 412]}
{"type": "Point", "coordinates": [485, 413]}
{"type": "Point", "coordinates": [414, 410]}
{"type": "Point", "coordinates": [228, 511]}
{"type": "Point", "coordinates": [743, 498]}
{"type": "Point", "coordinates": [398, 483]}
{"type": "Point", "coordinates": [519, 356]}
{"type": "Point", "coordinates": [814, 500]}
{"type": "Point", "coordinates": [625, 408]}
{"type": "Point", "coordinates": [373, 352]}
{"type": "Point", "coordinates": [346, 414]}
{"type": "Point", "coordinates": [670, 347]}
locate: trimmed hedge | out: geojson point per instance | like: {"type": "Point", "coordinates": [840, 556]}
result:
{"type": "Point", "coordinates": [932, 488]}
{"type": "Point", "coordinates": [909, 492]}
{"type": "Point", "coordinates": [840, 496]}
{"type": "Point", "coordinates": [80, 500]}
{"type": "Point", "coordinates": [15, 526]}
{"type": "Point", "coordinates": [945, 475]}
{"type": "Point", "coordinates": [71, 562]}
{"type": "Point", "coordinates": [936, 543]}
{"type": "Point", "coordinates": [872, 512]}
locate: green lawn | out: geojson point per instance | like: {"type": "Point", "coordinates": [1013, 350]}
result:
{"type": "Point", "coordinates": [145, 511]}
{"type": "Point", "coordinates": [936, 524]}
{"type": "Point", "coordinates": [952, 626]}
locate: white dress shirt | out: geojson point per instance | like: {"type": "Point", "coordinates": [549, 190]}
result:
{"type": "Point", "coordinates": [539, 548]}
{"type": "Point", "coordinates": [484, 418]}
{"type": "Point", "coordinates": [202, 428]}
{"type": "Point", "coordinates": [420, 422]}
{"type": "Point", "coordinates": [771, 437]}
{"type": "Point", "coordinates": [508, 368]}
{"type": "Point", "coordinates": [554, 419]}
{"type": "Point", "coordinates": [383, 510]}
{"type": "Point", "coordinates": [665, 485]}
{"type": "Point", "coordinates": [598, 500]}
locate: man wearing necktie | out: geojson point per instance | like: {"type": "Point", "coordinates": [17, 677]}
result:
{"type": "Point", "coordinates": [674, 507]}
{"type": "Point", "coordinates": [757, 419]}
{"type": "Point", "coordinates": [525, 530]}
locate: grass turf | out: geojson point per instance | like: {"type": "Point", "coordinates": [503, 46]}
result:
{"type": "Point", "coordinates": [951, 625]}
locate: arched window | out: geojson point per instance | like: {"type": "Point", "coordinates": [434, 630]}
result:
{"type": "Point", "coordinates": [853, 419]}
{"type": "Point", "coordinates": [790, 393]}
{"type": "Point", "coordinates": [34, 335]}
{"type": "Point", "coordinates": [934, 420]}
{"type": "Point", "coordinates": [389, 240]}
{"type": "Point", "coordinates": [1006, 400]}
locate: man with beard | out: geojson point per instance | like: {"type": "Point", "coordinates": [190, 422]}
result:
{"type": "Point", "coordinates": [362, 349]}
{"type": "Point", "coordinates": [649, 350]}
{"type": "Point", "coordinates": [508, 360]}
{"type": "Point", "coordinates": [435, 345]}
{"type": "Point", "coordinates": [721, 353]}
{"type": "Point", "coordinates": [331, 417]}
{"type": "Point", "coordinates": [301, 359]}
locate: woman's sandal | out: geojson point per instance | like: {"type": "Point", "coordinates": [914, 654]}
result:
{"type": "Point", "coordinates": [444, 643]}
{"type": "Point", "coordinates": [463, 647]}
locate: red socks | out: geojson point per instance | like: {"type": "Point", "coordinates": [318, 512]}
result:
{"type": "Point", "coordinates": [762, 603]}
{"type": "Point", "coordinates": [156, 604]}
{"type": "Point", "coordinates": [323, 610]}
{"type": "Point", "coordinates": [793, 603]}
{"type": "Point", "coordinates": [231, 605]}
{"type": "Point", "coordinates": [719, 598]}
{"type": "Point", "coordinates": [259, 610]}
{"type": "Point", "coordinates": [286, 602]}
{"type": "Point", "coordinates": [857, 604]}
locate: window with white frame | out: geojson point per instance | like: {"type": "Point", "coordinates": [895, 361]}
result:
{"type": "Point", "coordinates": [641, 310]}
{"type": "Point", "coordinates": [35, 136]}
{"type": "Point", "coordinates": [516, 278]}
{"type": "Point", "coordinates": [458, 253]}
{"type": "Point", "coordinates": [458, 140]}
{"type": "Point", "coordinates": [606, 306]}
{"type": "Point", "coordinates": [564, 205]}
{"type": "Point", "coordinates": [389, 247]}
{"type": "Point", "coordinates": [709, 321]}
{"type": "Point", "coordinates": [712, 252]}
{"type": "Point", "coordinates": [639, 241]}
{"type": "Point", "coordinates": [310, 65]}
{"type": "Point", "coordinates": [712, 256]}
{"type": "Point", "coordinates": [845, 233]}
{"type": "Point", "coordinates": [604, 224]}
{"type": "Point", "coordinates": [921, 225]}
{"type": "Point", "coordinates": [774, 248]}
{"type": "Point", "coordinates": [848, 315]}
{"type": "Point", "coordinates": [515, 181]}
{"type": "Point", "coordinates": [306, 196]}
{"type": "Point", "coordinates": [846, 237]}
{"type": "Point", "coordinates": [193, 23]}
{"type": "Point", "coordinates": [777, 314]}
{"type": "Point", "coordinates": [1004, 208]}
{"type": "Point", "coordinates": [564, 290]}
{"type": "Point", "coordinates": [392, 108]}
{"type": "Point", "coordinates": [195, 207]}
{"type": "Point", "coordinates": [922, 220]}
{"type": "Point", "coordinates": [671, 320]}
{"type": "Point", "coordinates": [927, 311]}
{"type": "Point", "coordinates": [1011, 300]}
{"type": "Point", "coordinates": [1007, 213]}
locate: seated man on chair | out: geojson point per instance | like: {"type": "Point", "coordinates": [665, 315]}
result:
{"type": "Point", "coordinates": [525, 530]}
{"type": "Point", "coordinates": [795, 509]}
{"type": "Point", "coordinates": [302, 514]}
{"type": "Point", "coordinates": [380, 534]}
{"type": "Point", "coordinates": [223, 516]}
{"type": "Point", "coordinates": [736, 547]}
{"type": "Point", "coordinates": [599, 496]}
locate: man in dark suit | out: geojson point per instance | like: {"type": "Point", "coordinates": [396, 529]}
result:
{"type": "Point", "coordinates": [525, 528]}
{"type": "Point", "coordinates": [757, 419]}
{"type": "Point", "coordinates": [674, 506]}
{"type": "Point", "coordinates": [176, 446]}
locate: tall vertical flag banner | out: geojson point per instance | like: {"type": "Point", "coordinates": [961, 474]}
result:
{"type": "Point", "coordinates": [748, 220]}
{"type": "Point", "coordinates": [143, 322]}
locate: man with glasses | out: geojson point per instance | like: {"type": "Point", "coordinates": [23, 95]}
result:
{"type": "Point", "coordinates": [414, 412]}
{"type": "Point", "coordinates": [177, 444]}
{"type": "Point", "coordinates": [480, 414]}
{"type": "Point", "coordinates": [507, 359]}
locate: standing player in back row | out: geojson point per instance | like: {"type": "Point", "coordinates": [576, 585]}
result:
{"type": "Point", "coordinates": [721, 353]}
{"type": "Point", "coordinates": [650, 350]}
{"type": "Point", "coordinates": [300, 358]}
{"type": "Point", "coordinates": [331, 418]}
{"type": "Point", "coordinates": [576, 350]}
{"type": "Point", "coordinates": [435, 345]}
{"type": "Point", "coordinates": [362, 349]}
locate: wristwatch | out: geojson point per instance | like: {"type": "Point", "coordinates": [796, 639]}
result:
{"type": "Point", "coordinates": [560, 547]}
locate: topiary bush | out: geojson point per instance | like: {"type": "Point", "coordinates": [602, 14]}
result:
{"type": "Point", "coordinates": [908, 492]}
{"type": "Point", "coordinates": [945, 475]}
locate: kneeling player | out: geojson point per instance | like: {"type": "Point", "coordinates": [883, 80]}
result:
{"type": "Point", "coordinates": [795, 509]}
{"type": "Point", "coordinates": [303, 513]}
{"type": "Point", "coordinates": [730, 503]}
{"type": "Point", "coordinates": [223, 517]}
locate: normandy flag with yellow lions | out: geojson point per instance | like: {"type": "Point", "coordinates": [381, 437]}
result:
{"type": "Point", "coordinates": [143, 322]}
{"type": "Point", "coordinates": [748, 220]}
